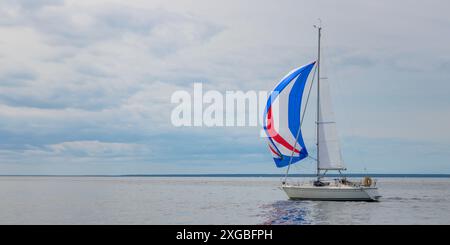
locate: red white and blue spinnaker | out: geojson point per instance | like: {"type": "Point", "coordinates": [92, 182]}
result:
{"type": "Point", "coordinates": [282, 117]}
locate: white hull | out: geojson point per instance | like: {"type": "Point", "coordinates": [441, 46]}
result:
{"type": "Point", "coordinates": [332, 193]}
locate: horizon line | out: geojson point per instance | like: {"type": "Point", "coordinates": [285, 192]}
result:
{"type": "Point", "coordinates": [393, 175]}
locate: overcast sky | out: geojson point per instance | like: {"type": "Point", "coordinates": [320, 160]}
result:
{"type": "Point", "coordinates": [85, 85]}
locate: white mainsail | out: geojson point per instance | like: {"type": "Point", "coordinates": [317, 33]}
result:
{"type": "Point", "coordinates": [329, 149]}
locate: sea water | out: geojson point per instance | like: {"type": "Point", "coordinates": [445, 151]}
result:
{"type": "Point", "coordinates": [210, 200]}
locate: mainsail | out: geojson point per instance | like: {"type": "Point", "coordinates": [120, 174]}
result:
{"type": "Point", "coordinates": [282, 118]}
{"type": "Point", "coordinates": [329, 149]}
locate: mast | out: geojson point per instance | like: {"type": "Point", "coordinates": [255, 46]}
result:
{"type": "Point", "coordinates": [318, 95]}
{"type": "Point", "coordinates": [319, 27]}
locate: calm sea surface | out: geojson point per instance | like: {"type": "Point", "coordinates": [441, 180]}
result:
{"type": "Point", "coordinates": [210, 200]}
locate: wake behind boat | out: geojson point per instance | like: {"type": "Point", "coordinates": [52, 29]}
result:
{"type": "Point", "coordinates": [283, 119]}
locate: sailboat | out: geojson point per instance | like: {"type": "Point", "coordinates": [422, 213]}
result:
{"type": "Point", "coordinates": [283, 119]}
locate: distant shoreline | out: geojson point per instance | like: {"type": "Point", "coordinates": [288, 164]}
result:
{"type": "Point", "coordinates": [245, 175]}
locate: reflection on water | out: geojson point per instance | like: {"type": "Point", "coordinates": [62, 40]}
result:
{"type": "Point", "coordinates": [287, 212]}
{"type": "Point", "coordinates": [293, 212]}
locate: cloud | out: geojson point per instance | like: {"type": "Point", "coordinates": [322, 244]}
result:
{"type": "Point", "coordinates": [91, 58]}
{"type": "Point", "coordinates": [82, 25]}
{"type": "Point", "coordinates": [98, 74]}
{"type": "Point", "coordinates": [16, 77]}
{"type": "Point", "coordinates": [97, 149]}
{"type": "Point", "coordinates": [32, 5]}
{"type": "Point", "coordinates": [143, 113]}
